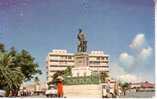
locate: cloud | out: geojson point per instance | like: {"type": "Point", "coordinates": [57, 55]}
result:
{"type": "Point", "coordinates": [116, 70]}
{"type": "Point", "coordinates": [126, 60]}
{"type": "Point", "coordinates": [138, 41]}
{"type": "Point", "coordinates": [119, 73]}
{"type": "Point", "coordinates": [130, 78]}
{"type": "Point", "coordinates": [145, 53]}
{"type": "Point", "coordinates": [129, 64]}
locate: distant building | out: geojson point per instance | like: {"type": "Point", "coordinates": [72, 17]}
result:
{"type": "Point", "coordinates": [147, 85]}
{"type": "Point", "coordinates": [143, 86]}
{"type": "Point", "coordinates": [59, 60]}
{"type": "Point", "coordinates": [135, 85]}
{"type": "Point", "coordinates": [34, 88]}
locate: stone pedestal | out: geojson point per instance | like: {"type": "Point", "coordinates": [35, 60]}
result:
{"type": "Point", "coordinates": [81, 59]}
{"type": "Point", "coordinates": [81, 65]}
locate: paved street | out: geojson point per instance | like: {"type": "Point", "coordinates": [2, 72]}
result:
{"type": "Point", "coordinates": [139, 95]}
{"type": "Point", "coordinates": [40, 96]}
{"type": "Point", "coordinates": [128, 95]}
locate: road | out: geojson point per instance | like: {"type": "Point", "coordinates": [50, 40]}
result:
{"type": "Point", "coordinates": [139, 95]}
{"type": "Point", "coordinates": [128, 95]}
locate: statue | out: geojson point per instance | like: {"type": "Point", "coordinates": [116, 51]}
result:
{"type": "Point", "coordinates": [82, 43]}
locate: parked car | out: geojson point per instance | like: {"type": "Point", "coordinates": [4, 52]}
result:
{"type": "Point", "coordinates": [51, 92]}
{"type": "Point", "coordinates": [107, 91]}
{"type": "Point", "coordinates": [2, 93]}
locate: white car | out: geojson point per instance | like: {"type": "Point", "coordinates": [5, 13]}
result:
{"type": "Point", "coordinates": [108, 92]}
{"type": "Point", "coordinates": [2, 93]}
{"type": "Point", "coordinates": [51, 92]}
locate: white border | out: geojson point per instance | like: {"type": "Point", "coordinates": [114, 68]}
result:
{"type": "Point", "coordinates": [155, 1]}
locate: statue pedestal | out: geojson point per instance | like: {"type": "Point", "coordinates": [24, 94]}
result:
{"type": "Point", "coordinates": [81, 65]}
{"type": "Point", "coordinates": [81, 59]}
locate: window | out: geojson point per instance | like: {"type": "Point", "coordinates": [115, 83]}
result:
{"type": "Point", "coordinates": [98, 58]}
{"type": "Point", "coordinates": [69, 57]}
{"type": "Point", "coordinates": [63, 57]}
{"type": "Point", "coordinates": [77, 74]}
{"type": "Point", "coordinates": [91, 62]}
{"type": "Point", "coordinates": [106, 62]}
{"type": "Point", "coordinates": [102, 58]}
{"type": "Point", "coordinates": [97, 62]}
{"type": "Point", "coordinates": [94, 62]}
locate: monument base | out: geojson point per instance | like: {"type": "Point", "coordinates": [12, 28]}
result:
{"type": "Point", "coordinates": [81, 71]}
{"type": "Point", "coordinates": [81, 67]}
{"type": "Point", "coordinates": [81, 59]}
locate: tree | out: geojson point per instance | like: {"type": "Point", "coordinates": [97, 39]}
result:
{"type": "Point", "coordinates": [124, 87]}
{"type": "Point", "coordinates": [11, 77]}
{"type": "Point", "coordinates": [2, 47]}
{"type": "Point", "coordinates": [27, 63]}
{"type": "Point", "coordinates": [12, 51]}
{"type": "Point", "coordinates": [103, 76]}
{"type": "Point", "coordinates": [67, 71]}
{"type": "Point", "coordinates": [36, 80]}
{"type": "Point", "coordinates": [55, 76]}
{"type": "Point", "coordinates": [15, 68]}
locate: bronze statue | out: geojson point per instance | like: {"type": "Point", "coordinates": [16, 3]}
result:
{"type": "Point", "coordinates": [82, 43]}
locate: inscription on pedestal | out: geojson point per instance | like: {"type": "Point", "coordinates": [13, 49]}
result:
{"type": "Point", "coordinates": [81, 59]}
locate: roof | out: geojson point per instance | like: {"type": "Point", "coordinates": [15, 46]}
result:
{"type": "Point", "coordinates": [148, 85]}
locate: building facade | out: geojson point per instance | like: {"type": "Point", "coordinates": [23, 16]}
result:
{"type": "Point", "coordinates": [59, 60]}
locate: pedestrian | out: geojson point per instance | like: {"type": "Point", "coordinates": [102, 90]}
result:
{"type": "Point", "coordinates": [60, 88]}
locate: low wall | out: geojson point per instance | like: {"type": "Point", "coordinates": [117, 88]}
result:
{"type": "Point", "coordinates": [82, 91]}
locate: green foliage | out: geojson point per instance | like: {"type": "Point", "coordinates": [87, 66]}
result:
{"type": "Point", "coordinates": [36, 80]}
{"type": "Point", "coordinates": [103, 76]}
{"type": "Point", "coordinates": [92, 79]}
{"type": "Point", "coordinates": [81, 80]}
{"type": "Point", "coordinates": [55, 76]}
{"type": "Point", "coordinates": [58, 73]}
{"type": "Point", "coordinates": [69, 80]}
{"type": "Point", "coordinates": [28, 66]}
{"type": "Point", "coordinates": [2, 47]}
{"type": "Point", "coordinates": [68, 72]}
{"type": "Point", "coordinates": [15, 68]}
{"type": "Point", "coordinates": [26, 62]}
{"type": "Point", "coordinates": [11, 77]}
{"type": "Point", "coordinates": [124, 86]}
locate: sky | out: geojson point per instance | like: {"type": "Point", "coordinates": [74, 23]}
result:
{"type": "Point", "coordinates": [123, 29]}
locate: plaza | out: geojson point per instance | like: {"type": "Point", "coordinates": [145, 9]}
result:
{"type": "Point", "coordinates": [82, 63]}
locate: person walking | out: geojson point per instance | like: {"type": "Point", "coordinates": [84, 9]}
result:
{"type": "Point", "coordinates": [60, 88]}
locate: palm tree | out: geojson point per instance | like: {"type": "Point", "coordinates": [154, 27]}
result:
{"type": "Point", "coordinates": [11, 76]}
{"type": "Point", "coordinates": [103, 76]}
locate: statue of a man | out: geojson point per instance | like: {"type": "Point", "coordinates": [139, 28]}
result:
{"type": "Point", "coordinates": [82, 44]}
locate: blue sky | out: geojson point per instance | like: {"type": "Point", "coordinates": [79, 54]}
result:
{"type": "Point", "coordinates": [111, 25]}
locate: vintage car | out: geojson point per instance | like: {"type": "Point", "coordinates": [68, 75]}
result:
{"type": "Point", "coordinates": [51, 91]}
{"type": "Point", "coordinates": [2, 93]}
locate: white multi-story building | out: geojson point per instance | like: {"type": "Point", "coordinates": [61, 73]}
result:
{"type": "Point", "coordinates": [59, 60]}
{"type": "Point", "coordinates": [98, 61]}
